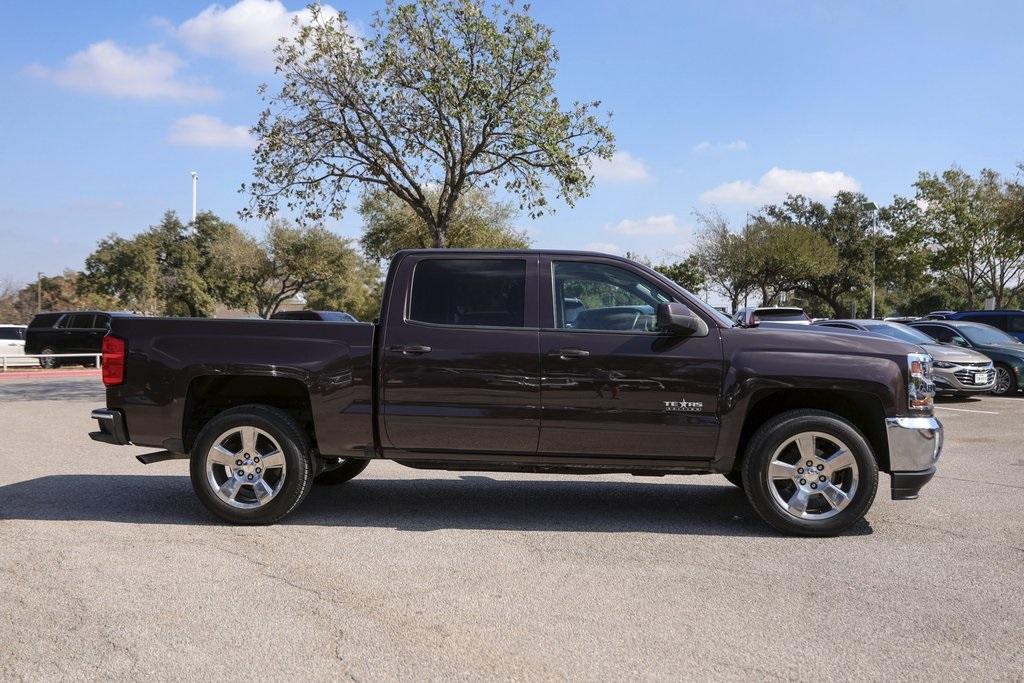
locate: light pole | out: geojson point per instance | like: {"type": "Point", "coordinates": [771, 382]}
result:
{"type": "Point", "coordinates": [870, 206]}
{"type": "Point", "coordinates": [39, 292]}
{"type": "Point", "coordinates": [195, 181]}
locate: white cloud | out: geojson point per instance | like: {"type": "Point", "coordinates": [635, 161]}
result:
{"type": "Point", "coordinates": [623, 167]}
{"type": "Point", "coordinates": [651, 225]}
{"type": "Point", "coordinates": [247, 31]}
{"type": "Point", "coordinates": [201, 130]}
{"type": "Point", "coordinates": [109, 69]}
{"type": "Point", "coordinates": [734, 146]}
{"type": "Point", "coordinates": [604, 247]}
{"type": "Point", "coordinates": [777, 183]}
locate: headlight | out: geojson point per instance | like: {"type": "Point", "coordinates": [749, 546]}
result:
{"type": "Point", "coordinates": [920, 388]}
{"type": "Point", "coordinates": [944, 364]}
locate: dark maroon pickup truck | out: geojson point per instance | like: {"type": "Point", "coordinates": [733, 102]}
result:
{"type": "Point", "coordinates": [525, 361]}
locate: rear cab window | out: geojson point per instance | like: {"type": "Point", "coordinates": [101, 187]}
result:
{"type": "Point", "coordinates": [477, 292]}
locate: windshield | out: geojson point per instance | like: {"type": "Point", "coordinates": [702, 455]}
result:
{"type": "Point", "coordinates": [984, 334]}
{"type": "Point", "coordinates": [786, 314]}
{"type": "Point", "coordinates": [901, 332]}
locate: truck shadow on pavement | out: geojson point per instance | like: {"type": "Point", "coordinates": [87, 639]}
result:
{"type": "Point", "coordinates": [471, 502]}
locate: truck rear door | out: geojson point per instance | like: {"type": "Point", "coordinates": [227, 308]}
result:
{"type": "Point", "coordinates": [460, 365]}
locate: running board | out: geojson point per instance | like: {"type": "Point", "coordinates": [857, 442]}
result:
{"type": "Point", "coordinates": [160, 456]}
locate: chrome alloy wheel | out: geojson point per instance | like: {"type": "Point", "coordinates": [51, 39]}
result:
{"type": "Point", "coordinates": [245, 467]}
{"type": "Point", "coordinates": [812, 476]}
{"type": "Point", "coordinates": [1003, 381]}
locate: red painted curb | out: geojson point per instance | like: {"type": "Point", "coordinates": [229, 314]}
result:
{"type": "Point", "coordinates": [47, 374]}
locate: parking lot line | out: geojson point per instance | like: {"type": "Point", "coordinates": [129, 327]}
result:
{"type": "Point", "coordinates": [967, 410]}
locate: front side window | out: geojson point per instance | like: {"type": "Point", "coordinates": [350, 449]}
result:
{"type": "Point", "coordinates": [601, 297]}
{"type": "Point", "coordinates": [469, 292]}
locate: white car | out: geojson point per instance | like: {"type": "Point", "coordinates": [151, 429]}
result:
{"type": "Point", "coordinates": [12, 346]}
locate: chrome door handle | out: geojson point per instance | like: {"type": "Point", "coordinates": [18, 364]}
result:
{"type": "Point", "coordinates": [410, 349]}
{"type": "Point", "coordinates": [568, 354]}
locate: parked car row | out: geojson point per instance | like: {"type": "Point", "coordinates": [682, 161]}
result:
{"type": "Point", "coordinates": [974, 351]}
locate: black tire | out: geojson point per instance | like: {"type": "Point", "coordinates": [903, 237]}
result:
{"type": "Point", "coordinates": [293, 444]}
{"type": "Point", "coordinates": [761, 451]}
{"type": "Point", "coordinates": [1010, 388]}
{"type": "Point", "coordinates": [735, 478]}
{"type": "Point", "coordinates": [48, 363]}
{"type": "Point", "coordinates": [348, 469]}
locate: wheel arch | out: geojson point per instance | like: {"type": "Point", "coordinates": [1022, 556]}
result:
{"type": "Point", "coordinates": [862, 409]}
{"type": "Point", "coordinates": [210, 395]}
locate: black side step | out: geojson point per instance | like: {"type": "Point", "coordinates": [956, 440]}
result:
{"type": "Point", "coordinates": [160, 456]}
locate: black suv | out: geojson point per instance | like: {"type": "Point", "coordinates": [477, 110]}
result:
{"type": "Point", "coordinates": [72, 332]}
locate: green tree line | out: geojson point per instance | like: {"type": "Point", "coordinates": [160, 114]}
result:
{"type": "Point", "coordinates": [958, 241]}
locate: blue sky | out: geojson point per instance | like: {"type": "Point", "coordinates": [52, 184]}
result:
{"type": "Point", "coordinates": [109, 105]}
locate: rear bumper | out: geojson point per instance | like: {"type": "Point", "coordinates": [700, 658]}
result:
{"type": "Point", "coordinates": [112, 428]}
{"type": "Point", "coordinates": [914, 446]}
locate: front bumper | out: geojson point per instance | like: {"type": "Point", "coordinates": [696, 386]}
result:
{"type": "Point", "coordinates": [112, 428]}
{"type": "Point", "coordinates": [914, 446]}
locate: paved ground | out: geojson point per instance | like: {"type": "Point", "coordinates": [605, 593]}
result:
{"type": "Point", "coordinates": [109, 568]}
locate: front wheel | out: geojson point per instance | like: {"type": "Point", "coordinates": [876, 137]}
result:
{"type": "Point", "coordinates": [1005, 381]}
{"type": "Point", "coordinates": [810, 473]}
{"type": "Point", "coordinates": [251, 465]}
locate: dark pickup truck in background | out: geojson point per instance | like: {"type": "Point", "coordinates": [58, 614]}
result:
{"type": "Point", "coordinates": [527, 361]}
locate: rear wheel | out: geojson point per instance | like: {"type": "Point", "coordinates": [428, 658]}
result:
{"type": "Point", "coordinates": [251, 465]}
{"type": "Point", "coordinates": [1005, 381]}
{"type": "Point", "coordinates": [810, 472]}
{"type": "Point", "coordinates": [47, 361]}
{"type": "Point", "coordinates": [349, 468]}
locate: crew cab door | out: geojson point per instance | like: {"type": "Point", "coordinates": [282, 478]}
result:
{"type": "Point", "coordinates": [612, 383]}
{"type": "Point", "coordinates": [460, 366]}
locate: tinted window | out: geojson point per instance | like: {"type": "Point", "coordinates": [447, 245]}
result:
{"type": "Point", "coordinates": [942, 334]}
{"type": "Point", "coordinates": [81, 321]}
{"type": "Point", "coordinates": [11, 333]}
{"type": "Point", "coordinates": [102, 322]}
{"type": "Point", "coordinates": [1016, 324]}
{"type": "Point", "coordinates": [612, 298]}
{"type": "Point", "coordinates": [901, 332]}
{"type": "Point", "coordinates": [295, 315]}
{"type": "Point", "coordinates": [986, 318]}
{"type": "Point", "coordinates": [477, 292]}
{"type": "Point", "coordinates": [44, 320]}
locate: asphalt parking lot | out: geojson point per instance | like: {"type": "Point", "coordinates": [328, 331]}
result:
{"type": "Point", "coordinates": [112, 569]}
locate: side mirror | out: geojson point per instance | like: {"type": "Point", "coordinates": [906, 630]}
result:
{"type": "Point", "coordinates": [678, 319]}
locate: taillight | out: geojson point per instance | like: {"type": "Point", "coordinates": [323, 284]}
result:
{"type": "Point", "coordinates": [113, 360]}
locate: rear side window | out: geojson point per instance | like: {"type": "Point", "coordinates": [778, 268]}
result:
{"type": "Point", "coordinates": [469, 292]}
{"type": "Point", "coordinates": [11, 333]}
{"type": "Point", "coordinates": [45, 320]}
{"type": "Point", "coordinates": [80, 321]}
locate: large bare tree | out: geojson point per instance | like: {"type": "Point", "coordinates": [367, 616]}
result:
{"type": "Point", "coordinates": [440, 97]}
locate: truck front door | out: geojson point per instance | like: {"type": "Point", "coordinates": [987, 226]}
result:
{"type": "Point", "coordinates": [460, 366]}
{"type": "Point", "coordinates": [613, 384]}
